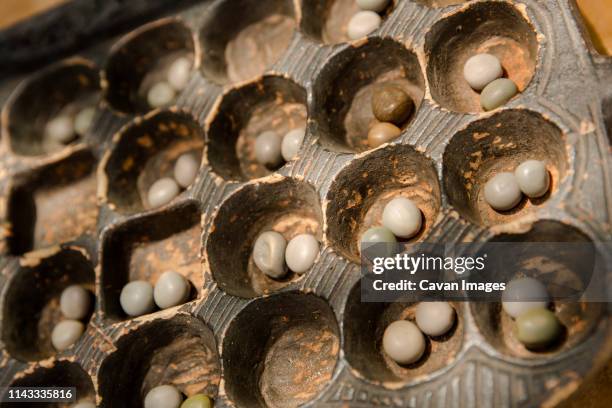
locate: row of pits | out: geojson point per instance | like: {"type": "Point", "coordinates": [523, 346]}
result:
{"type": "Point", "coordinates": [146, 150]}
{"type": "Point", "coordinates": [346, 81]}
{"type": "Point", "coordinates": [499, 137]}
{"type": "Point", "coordinates": [289, 326]}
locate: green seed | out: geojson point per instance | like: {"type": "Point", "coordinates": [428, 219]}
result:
{"type": "Point", "coordinates": [538, 328]}
{"type": "Point", "coordinates": [378, 234]}
{"type": "Point", "coordinates": [497, 93]}
{"type": "Point", "coordinates": [197, 401]}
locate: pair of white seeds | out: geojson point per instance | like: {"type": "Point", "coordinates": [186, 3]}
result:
{"type": "Point", "coordinates": [140, 297]}
{"type": "Point", "coordinates": [166, 189]}
{"type": "Point", "coordinates": [505, 190]}
{"type": "Point", "coordinates": [403, 340]}
{"type": "Point", "coordinates": [271, 148]}
{"type": "Point", "coordinates": [63, 128]}
{"type": "Point", "coordinates": [274, 256]}
{"type": "Point", "coordinates": [484, 72]}
{"type": "Point", "coordinates": [75, 304]}
{"type": "Point", "coordinates": [163, 92]}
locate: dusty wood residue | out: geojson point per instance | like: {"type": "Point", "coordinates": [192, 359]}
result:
{"type": "Point", "coordinates": [179, 253]}
{"type": "Point", "coordinates": [187, 364]}
{"type": "Point", "coordinates": [57, 222]}
{"type": "Point", "coordinates": [298, 364]}
{"type": "Point", "coordinates": [258, 46]}
{"type": "Point", "coordinates": [337, 15]}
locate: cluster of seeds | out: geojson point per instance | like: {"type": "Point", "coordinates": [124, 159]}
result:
{"type": "Point", "coordinates": [392, 107]}
{"type": "Point", "coordinates": [139, 297]}
{"type": "Point", "coordinates": [484, 74]}
{"type": "Point", "coordinates": [274, 256]}
{"type": "Point", "coordinates": [526, 300]}
{"type": "Point", "coordinates": [272, 149]}
{"type": "Point", "coordinates": [368, 19]}
{"type": "Point", "coordinates": [66, 127]}
{"type": "Point", "coordinates": [166, 189]}
{"type": "Point", "coordinates": [505, 190]}
{"type": "Point", "coordinates": [75, 305]}
{"type": "Point", "coordinates": [163, 93]}
{"type": "Point", "coordinates": [401, 218]}
{"type": "Point", "coordinates": [404, 341]}
{"type": "Point", "coordinates": [168, 396]}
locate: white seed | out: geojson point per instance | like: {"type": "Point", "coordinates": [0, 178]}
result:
{"type": "Point", "coordinates": [162, 192]}
{"type": "Point", "coordinates": [292, 143]}
{"type": "Point", "coordinates": [66, 333]}
{"type": "Point", "coordinates": [83, 120]}
{"type": "Point", "coordinates": [84, 404]}
{"type": "Point", "coordinates": [524, 294]}
{"type": "Point", "coordinates": [60, 129]}
{"type": "Point", "coordinates": [269, 254]}
{"type": "Point", "coordinates": [301, 253]}
{"type": "Point", "coordinates": [75, 302]}
{"type": "Point", "coordinates": [268, 149]}
{"type": "Point", "coordinates": [362, 24]}
{"type": "Point", "coordinates": [533, 178]}
{"type": "Point", "coordinates": [161, 94]}
{"type": "Point", "coordinates": [186, 169]}
{"type": "Point", "coordinates": [136, 298]}
{"type": "Point", "coordinates": [178, 73]}
{"type": "Point", "coordinates": [171, 289]}
{"type": "Point", "coordinates": [502, 192]}
{"type": "Point", "coordinates": [373, 5]}
{"type": "Point", "coordinates": [435, 318]}
{"type": "Point", "coordinates": [403, 342]}
{"type": "Point", "coordinates": [163, 396]}
{"type": "Point", "coordinates": [482, 69]}
{"type": "Point", "coordinates": [402, 217]}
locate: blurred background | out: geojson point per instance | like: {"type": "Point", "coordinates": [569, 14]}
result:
{"type": "Point", "coordinates": [12, 11]}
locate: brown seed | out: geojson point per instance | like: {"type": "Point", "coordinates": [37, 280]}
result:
{"type": "Point", "coordinates": [382, 133]}
{"type": "Point", "coordinates": [391, 104]}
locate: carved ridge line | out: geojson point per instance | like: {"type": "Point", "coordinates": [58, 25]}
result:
{"type": "Point", "coordinates": [418, 127]}
{"type": "Point", "coordinates": [231, 303]}
{"type": "Point", "coordinates": [577, 39]}
{"type": "Point", "coordinates": [342, 278]}
{"type": "Point", "coordinates": [325, 169]}
{"type": "Point", "coordinates": [431, 127]}
{"type": "Point", "coordinates": [337, 277]}
{"type": "Point", "coordinates": [316, 276]}
{"type": "Point", "coordinates": [439, 137]}
{"type": "Point", "coordinates": [543, 13]}
{"type": "Point", "coordinates": [208, 307]}
{"type": "Point", "coordinates": [603, 146]}
{"type": "Point", "coordinates": [311, 152]}
{"type": "Point", "coordinates": [421, 18]}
